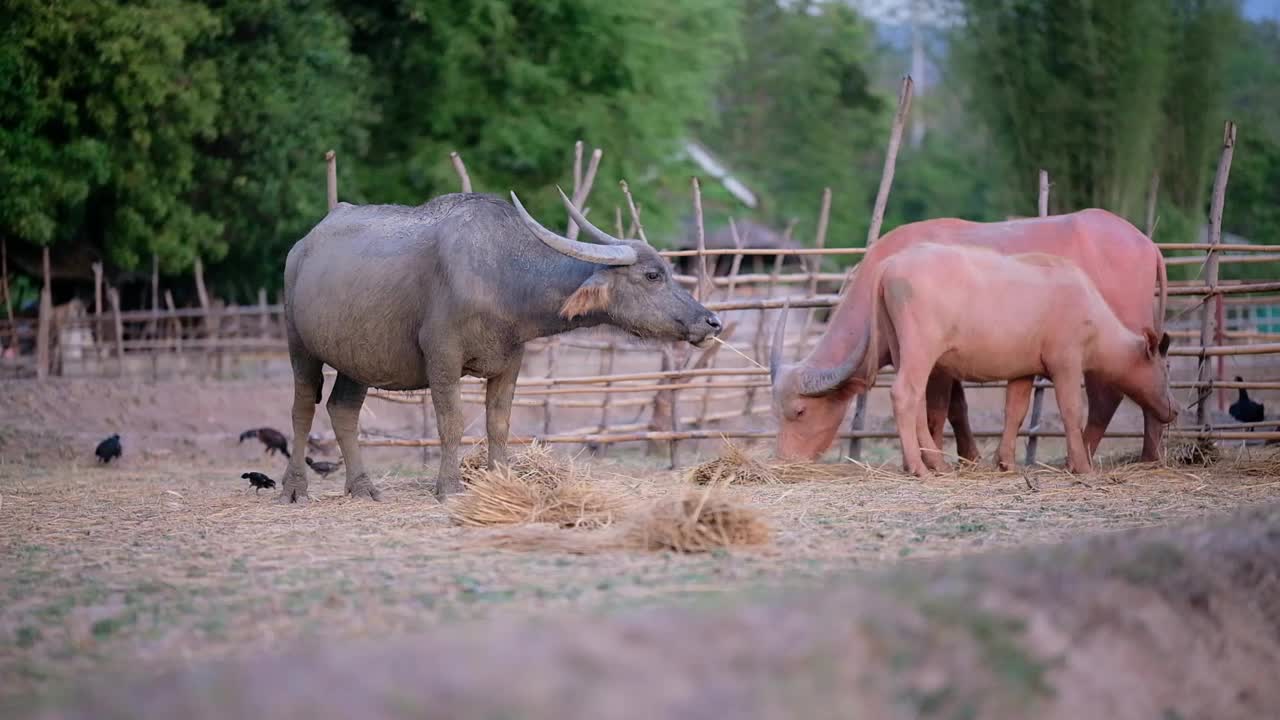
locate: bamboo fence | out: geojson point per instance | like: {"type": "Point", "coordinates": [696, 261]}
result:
{"type": "Point", "coordinates": [596, 388]}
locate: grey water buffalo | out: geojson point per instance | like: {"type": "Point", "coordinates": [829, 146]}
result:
{"type": "Point", "coordinates": [404, 298]}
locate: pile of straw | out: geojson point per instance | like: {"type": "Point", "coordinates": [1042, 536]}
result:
{"type": "Point", "coordinates": [734, 465]}
{"type": "Point", "coordinates": [1201, 451]}
{"type": "Point", "coordinates": [537, 487]}
{"type": "Point", "coordinates": [697, 521]}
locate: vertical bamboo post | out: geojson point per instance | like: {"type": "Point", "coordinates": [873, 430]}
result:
{"type": "Point", "coordinates": [815, 265]}
{"type": "Point", "coordinates": [609, 352]}
{"type": "Point", "coordinates": [1153, 196]}
{"type": "Point", "coordinates": [580, 193]}
{"type": "Point", "coordinates": [577, 167]}
{"type": "Point", "coordinates": [99, 329]}
{"type": "Point", "coordinates": [264, 314]}
{"type": "Point", "coordinates": [331, 177]}
{"type": "Point", "coordinates": [113, 295]}
{"type": "Point", "coordinates": [1211, 311]}
{"type": "Point", "coordinates": [175, 324]}
{"type": "Point", "coordinates": [45, 329]}
{"type": "Point", "coordinates": [1037, 398]}
{"type": "Point", "coordinates": [426, 425]}
{"type": "Point", "coordinates": [873, 233]}
{"type": "Point", "coordinates": [730, 292]}
{"type": "Point", "coordinates": [700, 292]}
{"type": "Point", "coordinates": [8, 298]}
{"type": "Point", "coordinates": [206, 315]}
{"type": "Point", "coordinates": [460, 168]}
{"type": "Point", "coordinates": [553, 346]}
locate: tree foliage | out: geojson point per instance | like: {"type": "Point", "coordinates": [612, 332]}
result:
{"type": "Point", "coordinates": [797, 112]}
{"type": "Point", "coordinates": [193, 128]}
{"type": "Point", "coordinates": [1102, 95]}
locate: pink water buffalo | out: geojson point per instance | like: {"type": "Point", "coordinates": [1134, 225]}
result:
{"type": "Point", "coordinates": [979, 315]}
{"type": "Point", "coordinates": [810, 398]}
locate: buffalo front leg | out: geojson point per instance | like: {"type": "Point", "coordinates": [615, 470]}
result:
{"type": "Point", "coordinates": [907, 392]}
{"type": "Point", "coordinates": [499, 391]}
{"type": "Point", "coordinates": [1103, 401]}
{"type": "Point", "coordinates": [1017, 396]}
{"type": "Point", "coordinates": [308, 382]}
{"type": "Point", "coordinates": [344, 405]}
{"type": "Point", "coordinates": [446, 394]}
{"type": "Point", "coordinates": [958, 415]}
{"type": "Point", "coordinates": [1066, 389]}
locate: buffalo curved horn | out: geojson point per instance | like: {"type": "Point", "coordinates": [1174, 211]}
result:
{"type": "Point", "coordinates": [779, 340]}
{"type": "Point", "coordinates": [815, 382]}
{"type": "Point", "coordinates": [599, 254]}
{"type": "Point", "coordinates": [583, 223]}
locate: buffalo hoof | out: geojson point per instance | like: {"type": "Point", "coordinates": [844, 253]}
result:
{"type": "Point", "coordinates": [291, 496]}
{"type": "Point", "coordinates": [448, 485]}
{"type": "Point", "coordinates": [363, 487]}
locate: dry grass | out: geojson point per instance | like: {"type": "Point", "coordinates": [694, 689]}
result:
{"type": "Point", "coordinates": [156, 561]}
{"type": "Point", "coordinates": [697, 521]}
{"type": "Point", "coordinates": [537, 487]}
{"type": "Point", "coordinates": [735, 465]}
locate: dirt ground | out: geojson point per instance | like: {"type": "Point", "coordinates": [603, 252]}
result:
{"type": "Point", "coordinates": [169, 560]}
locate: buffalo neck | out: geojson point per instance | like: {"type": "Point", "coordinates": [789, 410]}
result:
{"type": "Point", "coordinates": [539, 288]}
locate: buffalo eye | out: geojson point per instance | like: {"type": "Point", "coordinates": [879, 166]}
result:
{"type": "Point", "coordinates": [653, 276]}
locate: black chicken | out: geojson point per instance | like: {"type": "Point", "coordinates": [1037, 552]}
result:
{"type": "Point", "coordinates": [323, 467]}
{"type": "Point", "coordinates": [273, 439]}
{"type": "Point", "coordinates": [1245, 410]}
{"type": "Point", "coordinates": [259, 481]}
{"type": "Point", "coordinates": [109, 449]}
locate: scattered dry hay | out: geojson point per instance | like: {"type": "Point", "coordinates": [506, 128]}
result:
{"type": "Point", "coordinates": [697, 521]}
{"type": "Point", "coordinates": [537, 487]}
{"type": "Point", "coordinates": [1201, 452]}
{"type": "Point", "coordinates": [534, 459]}
{"type": "Point", "coordinates": [734, 465]}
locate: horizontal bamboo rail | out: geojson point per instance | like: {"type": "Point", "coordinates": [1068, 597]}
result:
{"type": "Point", "coordinates": [611, 438]}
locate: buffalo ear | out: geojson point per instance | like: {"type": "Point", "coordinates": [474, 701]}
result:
{"type": "Point", "coordinates": [1164, 344]}
{"type": "Point", "coordinates": [591, 296]}
{"type": "Point", "coordinates": [1151, 342]}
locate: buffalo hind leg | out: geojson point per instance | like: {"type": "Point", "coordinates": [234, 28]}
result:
{"type": "Point", "coordinates": [930, 451]}
{"type": "Point", "coordinates": [499, 392]}
{"type": "Point", "coordinates": [937, 404]}
{"type": "Point", "coordinates": [308, 382]}
{"type": "Point", "coordinates": [1104, 399]}
{"type": "Point", "coordinates": [345, 401]}
{"type": "Point", "coordinates": [1017, 396]}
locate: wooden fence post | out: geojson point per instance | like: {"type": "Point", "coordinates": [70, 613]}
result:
{"type": "Point", "coordinates": [461, 168]}
{"type": "Point", "coordinates": [99, 329]}
{"type": "Point", "coordinates": [873, 234]}
{"type": "Point", "coordinates": [44, 330]}
{"type": "Point", "coordinates": [1211, 311]}
{"type": "Point", "coordinates": [1037, 400]}
{"type": "Point", "coordinates": [815, 265]}
{"type": "Point", "coordinates": [331, 172]}
{"type": "Point", "coordinates": [8, 299]}
{"type": "Point", "coordinates": [206, 315]}
{"type": "Point", "coordinates": [114, 296]}
{"type": "Point", "coordinates": [582, 191]}
{"type": "Point", "coordinates": [176, 326]}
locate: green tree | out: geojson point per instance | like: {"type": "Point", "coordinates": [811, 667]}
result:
{"type": "Point", "coordinates": [102, 108]}
{"type": "Point", "coordinates": [510, 84]}
{"type": "Point", "coordinates": [291, 89]}
{"type": "Point", "coordinates": [797, 112]}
